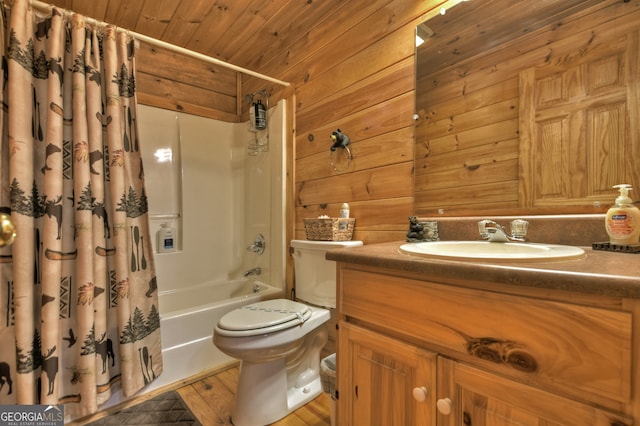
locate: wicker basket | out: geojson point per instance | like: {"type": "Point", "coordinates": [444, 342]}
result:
{"type": "Point", "coordinates": [329, 229]}
{"type": "Point", "coordinates": [328, 374]}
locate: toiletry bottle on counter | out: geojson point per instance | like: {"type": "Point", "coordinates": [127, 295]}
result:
{"type": "Point", "coordinates": [344, 211]}
{"type": "Point", "coordinates": [166, 239]}
{"type": "Point", "coordinates": [623, 219]}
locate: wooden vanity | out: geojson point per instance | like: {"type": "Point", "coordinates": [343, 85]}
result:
{"type": "Point", "coordinates": [436, 342]}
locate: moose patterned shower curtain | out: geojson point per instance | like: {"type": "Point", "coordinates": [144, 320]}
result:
{"type": "Point", "coordinates": [78, 296]}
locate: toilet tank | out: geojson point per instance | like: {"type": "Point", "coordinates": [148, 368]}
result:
{"type": "Point", "coordinates": [315, 276]}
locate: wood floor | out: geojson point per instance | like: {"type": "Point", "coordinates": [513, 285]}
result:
{"type": "Point", "coordinates": [210, 399]}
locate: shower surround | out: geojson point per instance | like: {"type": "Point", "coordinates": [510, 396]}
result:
{"type": "Point", "coordinates": [222, 199]}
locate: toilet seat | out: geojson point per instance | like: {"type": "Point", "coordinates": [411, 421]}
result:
{"type": "Point", "coordinates": [263, 317]}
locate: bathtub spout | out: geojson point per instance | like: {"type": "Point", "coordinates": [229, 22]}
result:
{"type": "Point", "coordinates": [254, 271]}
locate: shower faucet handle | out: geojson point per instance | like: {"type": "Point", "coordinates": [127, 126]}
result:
{"type": "Point", "coordinates": [258, 244]}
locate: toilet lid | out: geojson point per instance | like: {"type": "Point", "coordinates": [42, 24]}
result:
{"type": "Point", "coordinates": [276, 314]}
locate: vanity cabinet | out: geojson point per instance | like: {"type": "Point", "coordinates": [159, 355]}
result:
{"type": "Point", "coordinates": [490, 399]}
{"type": "Point", "coordinates": [390, 382]}
{"type": "Point", "coordinates": [414, 351]}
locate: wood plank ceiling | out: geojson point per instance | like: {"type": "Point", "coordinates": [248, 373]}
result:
{"type": "Point", "coordinates": [246, 33]}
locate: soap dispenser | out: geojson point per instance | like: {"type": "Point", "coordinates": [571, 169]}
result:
{"type": "Point", "coordinates": [166, 239]}
{"type": "Point", "coordinates": [623, 219]}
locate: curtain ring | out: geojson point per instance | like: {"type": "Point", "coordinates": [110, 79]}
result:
{"type": "Point", "coordinates": [349, 158]}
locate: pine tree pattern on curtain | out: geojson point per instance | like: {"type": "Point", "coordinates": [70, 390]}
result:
{"type": "Point", "coordinates": [79, 311]}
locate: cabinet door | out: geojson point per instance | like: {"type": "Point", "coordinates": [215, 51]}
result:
{"type": "Point", "coordinates": [383, 381]}
{"type": "Point", "coordinates": [473, 397]}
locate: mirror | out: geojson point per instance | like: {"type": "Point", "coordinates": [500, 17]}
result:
{"type": "Point", "coordinates": [526, 110]}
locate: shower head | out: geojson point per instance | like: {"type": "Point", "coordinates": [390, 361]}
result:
{"type": "Point", "coordinates": [251, 96]}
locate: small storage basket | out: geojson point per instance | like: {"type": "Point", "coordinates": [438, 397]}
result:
{"type": "Point", "coordinates": [329, 229]}
{"type": "Point", "coordinates": [328, 374]}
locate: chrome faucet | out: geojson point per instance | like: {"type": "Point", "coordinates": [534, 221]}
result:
{"type": "Point", "coordinates": [254, 271]}
{"type": "Point", "coordinates": [258, 244]}
{"type": "Point", "coordinates": [492, 231]}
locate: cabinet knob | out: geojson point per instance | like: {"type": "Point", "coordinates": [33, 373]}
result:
{"type": "Point", "coordinates": [420, 393]}
{"type": "Point", "coordinates": [444, 406]}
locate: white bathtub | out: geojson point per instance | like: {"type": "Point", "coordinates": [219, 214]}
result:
{"type": "Point", "coordinates": [187, 318]}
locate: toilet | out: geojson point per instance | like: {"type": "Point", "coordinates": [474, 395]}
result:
{"type": "Point", "coordinates": [279, 341]}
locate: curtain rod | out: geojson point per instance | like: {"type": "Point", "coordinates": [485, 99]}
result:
{"type": "Point", "coordinates": [45, 7]}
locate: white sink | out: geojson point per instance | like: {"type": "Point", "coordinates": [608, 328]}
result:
{"type": "Point", "coordinates": [485, 250]}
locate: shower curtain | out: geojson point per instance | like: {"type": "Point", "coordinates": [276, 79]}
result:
{"type": "Point", "coordinates": [79, 311]}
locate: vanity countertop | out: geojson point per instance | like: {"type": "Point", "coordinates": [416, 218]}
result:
{"type": "Point", "coordinates": [599, 272]}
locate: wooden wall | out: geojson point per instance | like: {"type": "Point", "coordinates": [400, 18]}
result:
{"type": "Point", "coordinates": [361, 81]}
{"type": "Point", "coordinates": [352, 70]}
{"type": "Point", "coordinates": [351, 66]}
{"type": "Point", "coordinates": [179, 83]}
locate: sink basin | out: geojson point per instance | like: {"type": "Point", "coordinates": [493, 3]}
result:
{"type": "Point", "coordinates": [485, 250]}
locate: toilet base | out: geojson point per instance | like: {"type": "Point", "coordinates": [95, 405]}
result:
{"type": "Point", "coordinates": [258, 405]}
{"type": "Point", "coordinates": [268, 391]}
{"type": "Point", "coordinates": [279, 372]}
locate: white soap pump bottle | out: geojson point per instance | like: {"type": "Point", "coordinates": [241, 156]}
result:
{"type": "Point", "coordinates": [166, 239]}
{"type": "Point", "coordinates": [623, 219]}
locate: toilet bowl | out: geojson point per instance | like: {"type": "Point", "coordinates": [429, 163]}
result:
{"type": "Point", "coordinates": [279, 335]}
{"type": "Point", "coordinates": [279, 341]}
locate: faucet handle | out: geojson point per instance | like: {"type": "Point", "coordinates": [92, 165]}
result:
{"type": "Point", "coordinates": [482, 228]}
{"type": "Point", "coordinates": [519, 228]}
{"type": "Point", "coordinates": [258, 244]}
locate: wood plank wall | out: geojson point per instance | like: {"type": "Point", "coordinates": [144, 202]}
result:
{"type": "Point", "coordinates": [352, 69]}
{"type": "Point", "coordinates": [351, 65]}
{"type": "Point", "coordinates": [175, 82]}
{"type": "Point", "coordinates": [361, 80]}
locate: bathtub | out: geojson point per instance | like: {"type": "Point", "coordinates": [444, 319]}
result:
{"type": "Point", "coordinates": [187, 318]}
